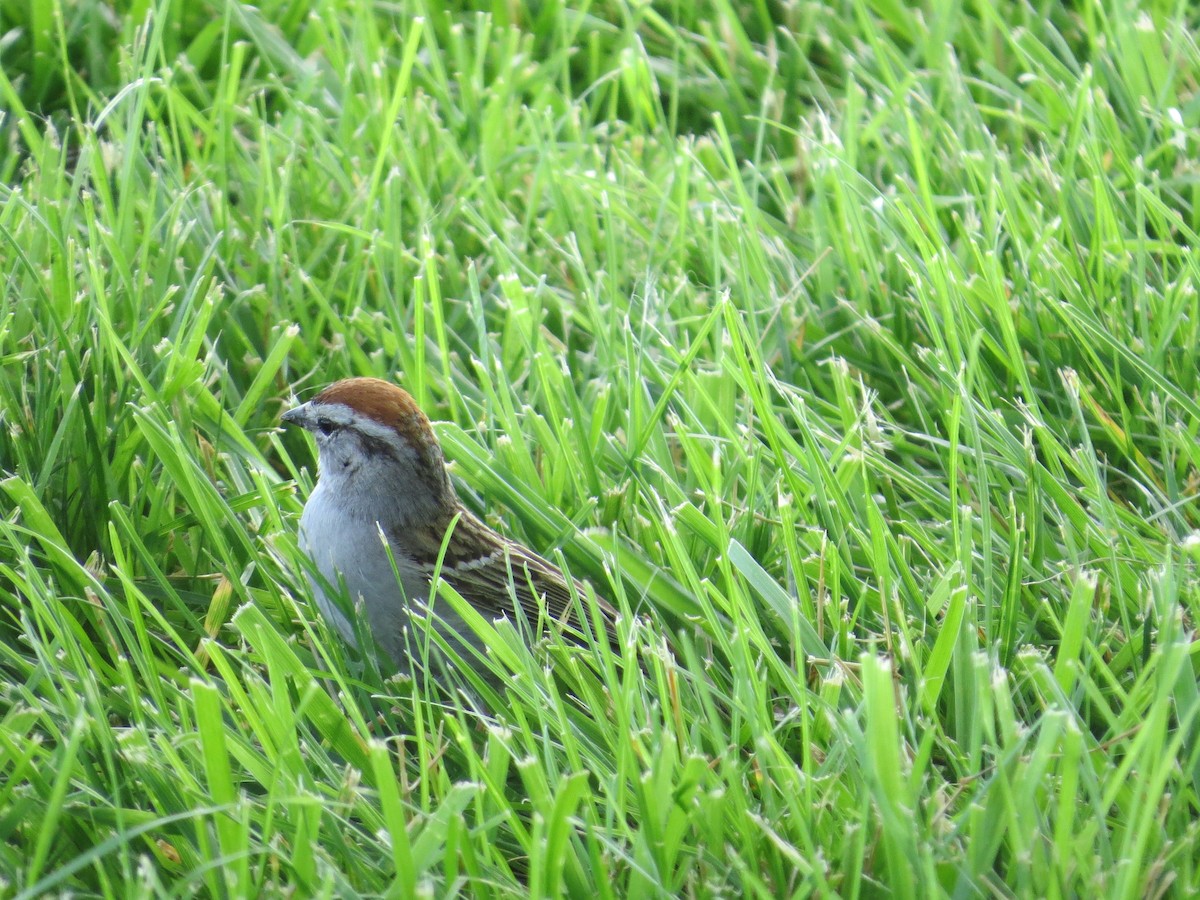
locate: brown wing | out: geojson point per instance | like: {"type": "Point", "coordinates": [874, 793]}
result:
{"type": "Point", "coordinates": [478, 563]}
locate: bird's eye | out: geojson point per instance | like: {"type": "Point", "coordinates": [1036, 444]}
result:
{"type": "Point", "coordinates": [326, 426]}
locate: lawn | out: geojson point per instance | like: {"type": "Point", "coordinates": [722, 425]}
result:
{"type": "Point", "coordinates": [852, 350]}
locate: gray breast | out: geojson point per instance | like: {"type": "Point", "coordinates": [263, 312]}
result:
{"type": "Point", "coordinates": [355, 556]}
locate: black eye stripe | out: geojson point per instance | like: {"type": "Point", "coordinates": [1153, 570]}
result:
{"type": "Point", "coordinates": [377, 445]}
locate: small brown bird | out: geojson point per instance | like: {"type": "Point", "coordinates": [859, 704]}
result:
{"type": "Point", "coordinates": [382, 480]}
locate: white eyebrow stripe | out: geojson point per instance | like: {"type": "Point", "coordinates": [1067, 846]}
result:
{"type": "Point", "coordinates": [343, 415]}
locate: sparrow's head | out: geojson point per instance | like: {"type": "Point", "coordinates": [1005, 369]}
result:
{"type": "Point", "coordinates": [372, 438]}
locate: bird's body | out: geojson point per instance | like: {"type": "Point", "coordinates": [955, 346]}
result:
{"type": "Point", "coordinates": [379, 514]}
{"type": "Point", "coordinates": [354, 554]}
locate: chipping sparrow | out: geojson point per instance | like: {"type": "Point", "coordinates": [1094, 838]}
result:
{"type": "Point", "coordinates": [382, 479]}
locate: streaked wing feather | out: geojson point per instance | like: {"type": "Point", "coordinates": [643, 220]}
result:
{"type": "Point", "coordinates": [478, 562]}
{"type": "Point", "coordinates": [490, 588]}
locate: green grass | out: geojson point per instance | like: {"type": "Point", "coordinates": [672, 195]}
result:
{"type": "Point", "coordinates": [855, 347]}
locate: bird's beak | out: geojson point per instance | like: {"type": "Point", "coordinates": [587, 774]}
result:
{"type": "Point", "coordinates": [296, 416]}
